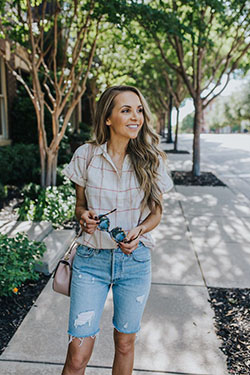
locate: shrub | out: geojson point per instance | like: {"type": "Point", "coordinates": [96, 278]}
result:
{"type": "Point", "coordinates": [19, 164]}
{"type": "Point", "coordinates": [78, 137]}
{"type": "Point", "coordinates": [72, 139]}
{"type": "Point", "coordinates": [65, 153]}
{"type": "Point", "coordinates": [24, 120]}
{"type": "Point", "coordinates": [18, 257]}
{"type": "Point", "coordinates": [55, 204]}
{"type": "Point", "coordinates": [3, 191]}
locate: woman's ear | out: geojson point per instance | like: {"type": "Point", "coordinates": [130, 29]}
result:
{"type": "Point", "coordinates": [108, 122]}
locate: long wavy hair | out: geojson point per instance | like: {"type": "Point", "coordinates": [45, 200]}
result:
{"type": "Point", "coordinates": [143, 150]}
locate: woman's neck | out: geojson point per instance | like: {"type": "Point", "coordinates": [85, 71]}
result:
{"type": "Point", "coordinates": [117, 148]}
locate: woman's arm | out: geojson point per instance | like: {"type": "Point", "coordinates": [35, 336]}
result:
{"type": "Point", "coordinates": [151, 221]}
{"type": "Point", "coordinates": [87, 218]}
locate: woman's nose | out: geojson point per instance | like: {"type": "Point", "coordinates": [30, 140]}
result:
{"type": "Point", "coordinates": [134, 115]}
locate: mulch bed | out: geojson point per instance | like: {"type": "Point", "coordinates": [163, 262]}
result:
{"type": "Point", "coordinates": [232, 322]}
{"type": "Point", "coordinates": [13, 309]}
{"type": "Point", "coordinates": [187, 179]}
{"type": "Point", "coordinates": [177, 152]}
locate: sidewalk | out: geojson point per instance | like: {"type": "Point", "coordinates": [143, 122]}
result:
{"type": "Point", "coordinates": [202, 240]}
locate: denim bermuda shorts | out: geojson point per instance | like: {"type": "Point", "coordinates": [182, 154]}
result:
{"type": "Point", "coordinates": [94, 272]}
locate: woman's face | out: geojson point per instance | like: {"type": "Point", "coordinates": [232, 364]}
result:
{"type": "Point", "coordinates": [127, 116]}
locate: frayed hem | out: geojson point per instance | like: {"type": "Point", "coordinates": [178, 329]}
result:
{"type": "Point", "coordinates": [137, 334]}
{"type": "Point", "coordinates": [81, 339]}
{"type": "Point", "coordinates": [127, 333]}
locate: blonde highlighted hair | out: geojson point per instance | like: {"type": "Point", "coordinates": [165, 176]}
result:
{"type": "Point", "coordinates": [143, 150]}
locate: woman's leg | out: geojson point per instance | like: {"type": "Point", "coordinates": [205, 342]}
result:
{"type": "Point", "coordinates": [130, 293]}
{"type": "Point", "coordinates": [89, 288]}
{"type": "Point", "coordinates": [78, 356]}
{"type": "Point", "coordinates": [124, 353]}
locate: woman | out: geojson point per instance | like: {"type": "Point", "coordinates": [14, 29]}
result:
{"type": "Point", "coordinates": [120, 178]}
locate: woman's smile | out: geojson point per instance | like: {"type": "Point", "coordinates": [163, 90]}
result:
{"type": "Point", "coordinates": [132, 126]}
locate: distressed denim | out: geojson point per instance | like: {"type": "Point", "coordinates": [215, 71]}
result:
{"type": "Point", "coordinates": [94, 272]}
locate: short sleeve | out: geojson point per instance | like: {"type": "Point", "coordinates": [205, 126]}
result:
{"type": "Point", "coordinates": [76, 170]}
{"type": "Point", "coordinates": [165, 182]}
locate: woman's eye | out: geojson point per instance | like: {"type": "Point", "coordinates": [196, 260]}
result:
{"type": "Point", "coordinates": [127, 110]}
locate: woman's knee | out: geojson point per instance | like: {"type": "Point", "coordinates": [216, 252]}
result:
{"type": "Point", "coordinates": [124, 343]}
{"type": "Point", "coordinates": [77, 361]}
{"type": "Point", "coordinates": [79, 353]}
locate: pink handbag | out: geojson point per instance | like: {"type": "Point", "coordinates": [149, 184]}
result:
{"type": "Point", "coordinates": [63, 272]}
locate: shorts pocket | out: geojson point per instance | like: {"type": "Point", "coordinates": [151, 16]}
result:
{"type": "Point", "coordinates": [84, 251]}
{"type": "Point", "coordinates": [142, 253]}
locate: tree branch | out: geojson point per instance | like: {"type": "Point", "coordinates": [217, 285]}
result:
{"type": "Point", "coordinates": [228, 59]}
{"type": "Point", "coordinates": [234, 66]}
{"type": "Point", "coordinates": [66, 41]}
{"type": "Point", "coordinates": [81, 36]}
{"type": "Point", "coordinates": [169, 86]}
{"type": "Point", "coordinates": [18, 77]}
{"type": "Point", "coordinates": [182, 70]}
{"type": "Point", "coordinates": [167, 61]}
{"type": "Point", "coordinates": [36, 83]}
{"type": "Point", "coordinates": [210, 100]}
{"type": "Point", "coordinates": [82, 86]}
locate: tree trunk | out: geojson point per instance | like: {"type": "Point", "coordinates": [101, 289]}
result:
{"type": "Point", "coordinates": [169, 136]}
{"type": "Point", "coordinates": [43, 164]}
{"type": "Point", "coordinates": [196, 139]}
{"type": "Point", "coordinates": [54, 167]}
{"type": "Point", "coordinates": [162, 124]}
{"type": "Point", "coordinates": [158, 124]}
{"type": "Point", "coordinates": [42, 146]}
{"type": "Point", "coordinates": [176, 129]}
{"type": "Point", "coordinates": [92, 98]}
{"type": "Point", "coordinates": [51, 167]}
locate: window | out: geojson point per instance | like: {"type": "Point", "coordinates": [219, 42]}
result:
{"type": "Point", "coordinates": [3, 103]}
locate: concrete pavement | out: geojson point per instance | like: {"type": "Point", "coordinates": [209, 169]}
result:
{"type": "Point", "coordinates": [203, 240]}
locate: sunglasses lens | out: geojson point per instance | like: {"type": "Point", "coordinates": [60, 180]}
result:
{"type": "Point", "coordinates": [118, 234]}
{"type": "Point", "coordinates": [104, 223]}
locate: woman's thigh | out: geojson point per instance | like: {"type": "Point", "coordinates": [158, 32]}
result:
{"type": "Point", "coordinates": [89, 288]}
{"type": "Point", "coordinates": [131, 290]}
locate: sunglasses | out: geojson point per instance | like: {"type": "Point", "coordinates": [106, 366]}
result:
{"type": "Point", "coordinates": [117, 233]}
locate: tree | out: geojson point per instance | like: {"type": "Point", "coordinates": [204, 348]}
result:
{"type": "Point", "coordinates": [55, 41]}
{"type": "Point", "coordinates": [178, 90]}
{"type": "Point", "coordinates": [209, 38]}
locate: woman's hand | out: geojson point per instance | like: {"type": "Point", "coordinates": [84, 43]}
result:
{"type": "Point", "coordinates": [151, 221]}
{"type": "Point", "coordinates": [89, 221]}
{"type": "Point", "coordinates": [129, 247]}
